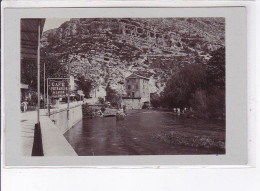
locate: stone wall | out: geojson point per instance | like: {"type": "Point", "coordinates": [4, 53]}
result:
{"type": "Point", "coordinates": [132, 103]}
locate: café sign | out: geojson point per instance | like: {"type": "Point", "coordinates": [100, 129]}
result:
{"type": "Point", "coordinates": [58, 88]}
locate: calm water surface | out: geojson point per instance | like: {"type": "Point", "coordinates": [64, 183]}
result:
{"type": "Point", "coordinates": [135, 135]}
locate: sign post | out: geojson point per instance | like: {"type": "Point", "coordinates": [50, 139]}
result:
{"type": "Point", "coordinates": [59, 88]}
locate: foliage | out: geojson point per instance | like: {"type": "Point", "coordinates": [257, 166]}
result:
{"type": "Point", "coordinates": [182, 85]}
{"type": "Point", "coordinates": [216, 103]}
{"type": "Point", "coordinates": [155, 100]}
{"type": "Point", "coordinates": [201, 87]}
{"type": "Point", "coordinates": [101, 100]}
{"type": "Point", "coordinates": [84, 85]}
{"type": "Point", "coordinates": [216, 69]}
{"type": "Point", "coordinates": [29, 73]}
{"type": "Point", "coordinates": [34, 99]}
{"type": "Point", "coordinates": [88, 111]}
{"type": "Point", "coordinates": [112, 96]}
{"type": "Point", "coordinates": [145, 106]}
{"type": "Point", "coordinates": [209, 104]}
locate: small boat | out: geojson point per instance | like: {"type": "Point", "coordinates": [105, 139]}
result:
{"type": "Point", "coordinates": [111, 115]}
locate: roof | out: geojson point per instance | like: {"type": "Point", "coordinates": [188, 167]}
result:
{"type": "Point", "coordinates": [134, 76]}
{"type": "Point", "coordinates": [29, 37]}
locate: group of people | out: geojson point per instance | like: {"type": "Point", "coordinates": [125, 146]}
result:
{"type": "Point", "coordinates": [184, 110]}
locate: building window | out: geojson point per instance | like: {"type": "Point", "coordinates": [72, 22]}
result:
{"type": "Point", "coordinates": [129, 87]}
{"type": "Point", "coordinates": [133, 94]}
{"type": "Point", "coordinates": [136, 86]}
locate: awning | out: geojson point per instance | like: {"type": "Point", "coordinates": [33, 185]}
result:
{"type": "Point", "coordinates": [29, 37]}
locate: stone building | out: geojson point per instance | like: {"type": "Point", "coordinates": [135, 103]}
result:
{"type": "Point", "coordinates": [137, 92]}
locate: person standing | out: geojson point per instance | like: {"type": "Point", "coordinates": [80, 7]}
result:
{"type": "Point", "coordinates": [178, 111]}
{"type": "Point", "coordinates": [24, 104]}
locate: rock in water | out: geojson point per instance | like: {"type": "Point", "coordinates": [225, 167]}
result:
{"type": "Point", "coordinates": [120, 115]}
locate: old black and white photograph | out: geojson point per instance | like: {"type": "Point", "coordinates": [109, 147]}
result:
{"type": "Point", "coordinates": [123, 86]}
{"type": "Point", "coordinates": [134, 95]}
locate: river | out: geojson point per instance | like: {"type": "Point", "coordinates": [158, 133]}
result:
{"type": "Point", "coordinates": [136, 134]}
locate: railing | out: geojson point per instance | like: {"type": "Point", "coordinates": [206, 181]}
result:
{"type": "Point", "coordinates": [63, 107]}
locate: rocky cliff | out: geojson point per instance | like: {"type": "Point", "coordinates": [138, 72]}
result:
{"type": "Point", "coordinates": [108, 50]}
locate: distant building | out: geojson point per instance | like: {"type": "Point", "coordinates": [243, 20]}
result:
{"type": "Point", "coordinates": [137, 92]}
{"type": "Point", "coordinates": [95, 94]}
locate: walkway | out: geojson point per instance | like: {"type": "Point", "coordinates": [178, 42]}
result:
{"type": "Point", "coordinates": [28, 120]}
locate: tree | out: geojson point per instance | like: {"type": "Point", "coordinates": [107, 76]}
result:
{"type": "Point", "coordinates": [85, 85]}
{"type": "Point", "coordinates": [155, 100]}
{"type": "Point", "coordinates": [112, 96]}
{"type": "Point", "coordinates": [216, 69]}
{"type": "Point", "coordinates": [183, 84]}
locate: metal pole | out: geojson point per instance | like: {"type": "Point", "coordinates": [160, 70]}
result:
{"type": "Point", "coordinates": [44, 86]}
{"type": "Point", "coordinates": [38, 73]}
{"type": "Point", "coordinates": [68, 108]}
{"type": "Point", "coordinates": [48, 97]}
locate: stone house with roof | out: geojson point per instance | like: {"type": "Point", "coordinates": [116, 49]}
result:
{"type": "Point", "coordinates": [137, 92]}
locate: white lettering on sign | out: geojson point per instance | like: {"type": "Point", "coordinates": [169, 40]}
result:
{"type": "Point", "coordinates": [58, 89]}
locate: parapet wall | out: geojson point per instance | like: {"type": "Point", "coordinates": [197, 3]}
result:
{"type": "Point", "coordinates": [63, 121]}
{"type": "Point", "coordinates": [53, 128]}
{"type": "Point", "coordinates": [131, 103]}
{"type": "Point", "coordinates": [53, 141]}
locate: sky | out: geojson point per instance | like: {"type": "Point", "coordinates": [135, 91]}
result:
{"type": "Point", "coordinates": [53, 23]}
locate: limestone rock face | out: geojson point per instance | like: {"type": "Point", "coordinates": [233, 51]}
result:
{"type": "Point", "coordinates": [109, 50]}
